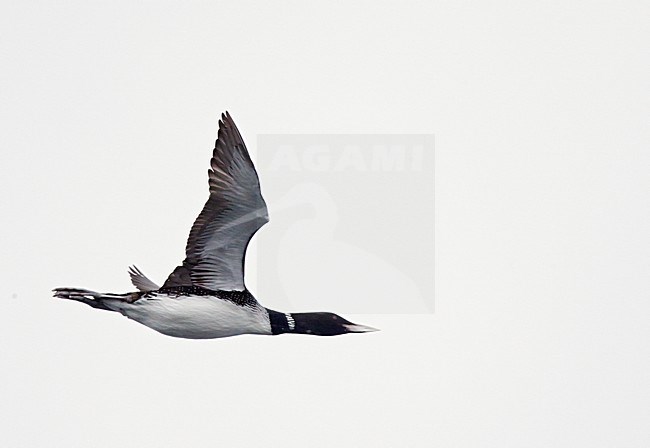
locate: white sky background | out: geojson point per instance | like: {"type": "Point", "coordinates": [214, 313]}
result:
{"type": "Point", "coordinates": [540, 111]}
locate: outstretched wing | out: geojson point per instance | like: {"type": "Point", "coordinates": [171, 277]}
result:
{"type": "Point", "coordinates": [216, 247]}
{"type": "Point", "coordinates": [141, 281]}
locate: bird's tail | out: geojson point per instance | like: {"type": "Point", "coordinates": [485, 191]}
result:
{"type": "Point", "coordinates": [92, 298]}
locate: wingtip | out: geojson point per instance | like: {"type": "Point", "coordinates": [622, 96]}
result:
{"type": "Point", "coordinates": [226, 118]}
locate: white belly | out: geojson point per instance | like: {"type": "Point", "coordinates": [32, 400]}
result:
{"type": "Point", "coordinates": [195, 317]}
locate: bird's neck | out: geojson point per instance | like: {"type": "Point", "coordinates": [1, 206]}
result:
{"type": "Point", "coordinates": [282, 322]}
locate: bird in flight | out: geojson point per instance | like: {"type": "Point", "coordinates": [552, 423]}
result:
{"type": "Point", "coordinates": [205, 297]}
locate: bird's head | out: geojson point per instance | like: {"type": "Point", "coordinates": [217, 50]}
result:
{"type": "Point", "coordinates": [326, 324]}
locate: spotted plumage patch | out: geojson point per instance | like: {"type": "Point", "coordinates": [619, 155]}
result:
{"type": "Point", "coordinates": [241, 298]}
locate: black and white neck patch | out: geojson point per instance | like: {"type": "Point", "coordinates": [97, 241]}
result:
{"type": "Point", "coordinates": [281, 322]}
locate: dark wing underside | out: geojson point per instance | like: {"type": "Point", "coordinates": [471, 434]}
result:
{"type": "Point", "coordinates": [216, 247]}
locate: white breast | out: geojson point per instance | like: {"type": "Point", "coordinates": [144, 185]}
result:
{"type": "Point", "coordinates": [195, 317]}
